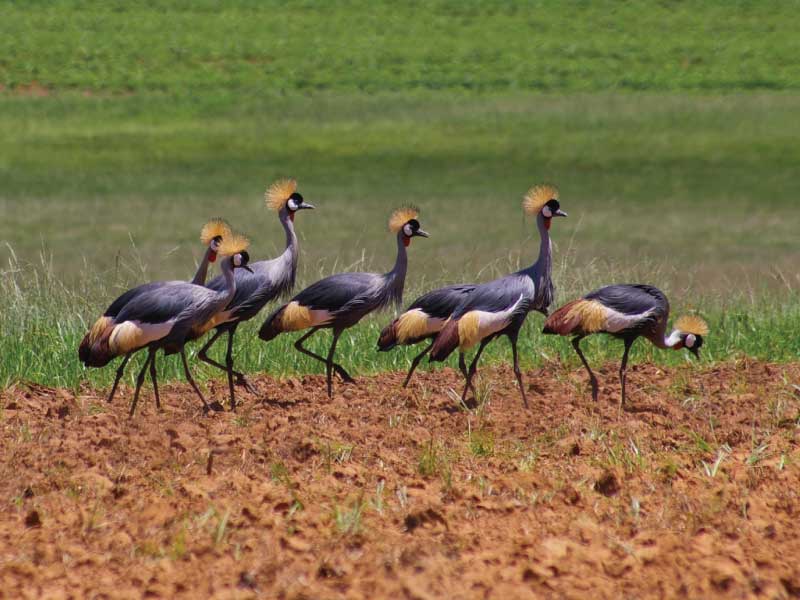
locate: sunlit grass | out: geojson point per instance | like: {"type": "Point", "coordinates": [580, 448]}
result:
{"type": "Point", "coordinates": [43, 321]}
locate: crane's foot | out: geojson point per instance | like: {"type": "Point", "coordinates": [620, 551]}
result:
{"type": "Point", "coordinates": [241, 381]}
{"type": "Point", "coordinates": [214, 406]}
{"type": "Point", "coordinates": [344, 375]}
{"type": "Point", "coordinates": [595, 388]}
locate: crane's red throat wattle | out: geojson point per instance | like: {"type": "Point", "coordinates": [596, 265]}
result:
{"type": "Point", "coordinates": [212, 256]}
{"type": "Point", "coordinates": [547, 221]}
{"type": "Point", "coordinates": [406, 241]}
{"type": "Point", "coordinates": [291, 217]}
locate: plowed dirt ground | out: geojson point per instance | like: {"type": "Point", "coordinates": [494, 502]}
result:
{"type": "Point", "coordinates": [390, 493]}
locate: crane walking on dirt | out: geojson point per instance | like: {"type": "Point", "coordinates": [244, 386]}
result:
{"type": "Point", "coordinates": [422, 320]}
{"type": "Point", "coordinates": [211, 236]}
{"type": "Point", "coordinates": [499, 307]}
{"type": "Point", "coordinates": [627, 312]}
{"type": "Point", "coordinates": [340, 301]}
{"type": "Point", "coordinates": [267, 280]}
{"type": "Point", "coordinates": [162, 317]}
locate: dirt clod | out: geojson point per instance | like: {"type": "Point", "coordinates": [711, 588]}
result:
{"type": "Point", "coordinates": [607, 485]}
{"type": "Point", "coordinates": [32, 519]}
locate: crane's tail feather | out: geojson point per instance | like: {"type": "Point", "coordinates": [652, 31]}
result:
{"type": "Point", "coordinates": [272, 326]}
{"type": "Point", "coordinates": [388, 337]}
{"type": "Point", "coordinates": [94, 349]}
{"type": "Point", "coordinates": [565, 320]}
{"type": "Point", "coordinates": [445, 342]}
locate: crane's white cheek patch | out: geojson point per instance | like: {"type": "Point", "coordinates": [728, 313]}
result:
{"type": "Point", "coordinates": [690, 341]}
{"type": "Point", "coordinates": [132, 335]}
{"type": "Point", "coordinates": [547, 212]}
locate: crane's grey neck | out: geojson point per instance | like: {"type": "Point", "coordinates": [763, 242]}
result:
{"type": "Point", "coordinates": [202, 270]}
{"type": "Point", "coordinates": [673, 340]}
{"type": "Point", "coordinates": [396, 278]}
{"type": "Point", "coordinates": [292, 249]}
{"type": "Point", "coordinates": [229, 291]}
{"type": "Point", "coordinates": [541, 270]}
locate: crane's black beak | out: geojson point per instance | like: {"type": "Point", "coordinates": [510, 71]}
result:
{"type": "Point", "coordinates": [306, 205]}
{"type": "Point", "coordinates": [421, 233]}
{"type": "Point", "coordinates": [248, 269]}
{"type": "Point", "coordinates": [559, 213]}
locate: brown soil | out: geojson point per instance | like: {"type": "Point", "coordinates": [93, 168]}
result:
{"type": "Point", "coordinates": [385, 493]}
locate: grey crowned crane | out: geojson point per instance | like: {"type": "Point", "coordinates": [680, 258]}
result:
{"type": "Point", "coordinates": [267, 280]}
{"type": "Point", "coordinates": [212, 234]}
{"type": "Point", "coordinates": [627, 312]}
{"type": "Point", "coordinates": [499, 307]}
{"type": "Point", "coordinates": [422, 320]}
{"type": "Point", "coordinates": [163, 316]}
{"type": "Point", "coordinates": [340, 301]}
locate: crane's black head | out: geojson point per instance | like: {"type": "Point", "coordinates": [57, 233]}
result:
{"type": "Point", "coordinates": [552, 208]}
{"type": "Point", "coordinates": [240, 260]}
{"type": "Point", "coordinates": [693, 342]}
{"type": "Point", "coordinates": [542, 200]}
{"type": "Point", "coordinates": [412, 229]}
{"type": "Point", "coordinates": [295, 203]}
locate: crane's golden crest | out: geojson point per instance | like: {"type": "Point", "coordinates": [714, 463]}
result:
{"type": "Point", "coordinates": [401, 216]}
{"type": "Point", "coordinates": [411, 325]}
{"type": "Point", "coordinates": [590, 314]}
{"type": "Point", "coordinates": [692, 324]}
{"type": "Point", "coordinates": [537, 197]}
{"type": "Point", "coordinates": [277, 195]}
{"type": "Point", "coordinates": [214, 228]}
{"type": "Point", "coordinates": [233, 244]}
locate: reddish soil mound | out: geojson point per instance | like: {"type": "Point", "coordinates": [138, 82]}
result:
{"type": "Point", "coordinates": [383, 492]}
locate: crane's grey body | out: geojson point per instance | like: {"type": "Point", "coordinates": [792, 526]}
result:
{"type": "Point", "coordinates": [647, 306]}
{"type": "Point", "coordinates": [500, 307]}
{"type": "Point", "coordinates": [423, 320]}
{"type": "Point", "coordinates": [94, 356]}
{"type": "Point", "coordinates": [339, 302]}
{"type": "Point", "coordinates": [625, 311]}
{"type": "Point", "coordinates": [267, 280]}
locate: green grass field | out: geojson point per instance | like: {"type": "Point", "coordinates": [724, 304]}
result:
{"type": "Point", "coordinates": [671, 129]}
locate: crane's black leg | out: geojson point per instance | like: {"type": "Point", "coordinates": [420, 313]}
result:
{"type": "Point", "coordinates": [203, 355]}
{"type": "Point", "coordinates": [512, 338]}
{"type": "Point", "coordinates": [337, 367]}
{"type": "Point", "coordinates": [120, 372]}
{"type": "Point", "coordinates": [473, 368]}
{"type": "Point", "coordinates": [576, 343]}
{"type": "Point", "coordinates": [154, 378]}
{"type": "Point", "coordinates": [139, 382]}
{"type": "Point", "coordinates": [329, 361]}
{"type": "Point", "coordinates": [415, 362]}
{"type": "Point", "coordinates": [190, 379]}
{"type": "Point", "coordinates": [623, 370]}
{"type": "Point", "coordinates": [462, 366]}
{"type": "Point", "coordinates": [229, 363]}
